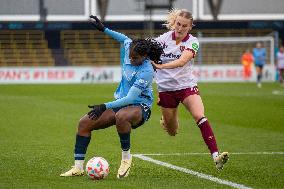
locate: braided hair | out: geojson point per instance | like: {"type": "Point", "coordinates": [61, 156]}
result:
{"type": "Point", "coordinates": [148, 47]}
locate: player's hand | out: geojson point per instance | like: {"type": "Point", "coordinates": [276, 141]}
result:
{"type": "Point", "coordinates": [97, 23]}
{"type": "Point", "coordinates": [96, 111]}
{"type": "Point", "coordinates": [156, 66]}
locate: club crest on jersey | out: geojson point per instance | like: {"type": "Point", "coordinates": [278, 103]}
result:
{"type": "Point", "coordinates": [142, 81]}
{"type": "Point", "coordinates": [181, 48]}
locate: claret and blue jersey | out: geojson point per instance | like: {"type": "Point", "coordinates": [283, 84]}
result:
{"type": "Point", "coordinates": [136, 80]}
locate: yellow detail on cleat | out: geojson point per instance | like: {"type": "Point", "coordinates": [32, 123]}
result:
{"type": "Point", "coordinates": [73, 172]}
{"type": "Point", "coordinates": [124, 168]}
{"type": "Point", "coordinates": [221, 160]}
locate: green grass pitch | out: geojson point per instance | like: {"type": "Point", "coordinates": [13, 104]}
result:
{"type": "Point", "coordinates": [38, 125]}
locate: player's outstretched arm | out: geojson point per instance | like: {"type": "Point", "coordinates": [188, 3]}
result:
{"type": "Point", "coordinates": [97, 110]}
{"type": "Point", "coordinates": [185, 57]}
{"type": "Point", "coordinates": [99, 26]}
{"type": "Point", "coordinates": [97, 23]}
{"type": "Point", "coordinates": [130, 98]}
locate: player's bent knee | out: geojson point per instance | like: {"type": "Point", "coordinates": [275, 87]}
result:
{"type": "Point", "coordinates": [121, 117]}
{"type": "Point", "coordinates": [84, 126]}
{"type": "Point", "coordinates": [197, 118]}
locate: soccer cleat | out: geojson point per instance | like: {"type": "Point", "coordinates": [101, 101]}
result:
{"type": "Point", "coordinates": [221, 160]}
{"type": "Point", "coordinates": [73, 172]}
{"type": "Point", "coordinates": [124, 168]}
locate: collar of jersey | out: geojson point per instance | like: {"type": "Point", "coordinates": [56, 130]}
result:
{"type": "Point", "coordinates": [183, 40]}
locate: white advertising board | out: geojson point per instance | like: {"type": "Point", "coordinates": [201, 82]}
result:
{"type": "Point", "coordinates": [230, 73]}
{"type": "Point", "coordinates": [59, 75]}
{"type": "Point", "coordinates": [107, 74]}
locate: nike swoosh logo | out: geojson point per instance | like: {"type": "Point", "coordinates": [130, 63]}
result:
{"type": "Point", "coordinates": [121, 176]}
{"type": "Point", "coordinates": [76, 174]}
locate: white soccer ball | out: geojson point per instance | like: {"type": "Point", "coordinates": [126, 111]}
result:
{"type": "Point", "coordinates": [97, 168]}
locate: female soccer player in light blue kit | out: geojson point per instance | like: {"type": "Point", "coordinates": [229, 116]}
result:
{"type": "Point", "coordinates": [133, 103]}
{"type": "Point", "coordinates": [259, 54]}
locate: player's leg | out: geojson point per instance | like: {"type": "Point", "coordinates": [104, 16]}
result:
{"type": "Point", "coordinates": [259, 75]}
{"type": "Point", "coordinates": [249, 72]}
{"type": "Point", "coordinates": [83, 137]}
{"type": "Point", "coordinates": [169, 120]}
{"type": "Point", "coordinates": [169, 101]}
{"type": "Point", "coordinates": [126, 119]}
{"type": "Point", "coordinates": [244, 72]}
{"type": "Point", "coordinates": [194, 104]}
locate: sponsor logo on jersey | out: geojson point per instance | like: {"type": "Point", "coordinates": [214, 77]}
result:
{"type": "Point", "coordinates": [195, 46]}
{"type": "Point", "coordinates": [181, 48]}
{"type": "Point", "coordinates": [171, 55]}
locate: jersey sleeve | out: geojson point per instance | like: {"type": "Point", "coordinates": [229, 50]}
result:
{"type": "Point", "coordinates": [127, 43]}
{"type": "Point", "coordinates": [193, 46]}
{"type": "Point", "coordinates": [130, 98]}
{"type": "Point", "coordinates": [116, 35]}
{"type": "Point", "coordinates": [124, 43]}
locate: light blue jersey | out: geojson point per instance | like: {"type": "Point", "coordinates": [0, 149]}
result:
{"type": "Point", "coordinates": [136, 83]}
{"type": "Point", "coordinates": [259, 55]}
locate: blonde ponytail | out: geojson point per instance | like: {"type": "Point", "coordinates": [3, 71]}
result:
{"type": "Point", "coordinates": [173, 14]}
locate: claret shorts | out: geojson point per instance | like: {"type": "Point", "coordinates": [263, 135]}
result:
{"type": "Point", "coordinates": [171, 99]}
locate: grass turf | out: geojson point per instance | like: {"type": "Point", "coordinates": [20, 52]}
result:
{"type": "Point", "coordinates": [38, 125]}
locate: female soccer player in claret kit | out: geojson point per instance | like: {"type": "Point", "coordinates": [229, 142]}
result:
{"type": "Point", "coordinates": [132, 104]}
{"type": "Point", "coordinates": [177, 84]}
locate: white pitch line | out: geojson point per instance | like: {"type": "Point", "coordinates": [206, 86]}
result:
{"type": "Point", "coordinates": [233, 153]}
{"type": "Point", "coordinates": [276, 92]}
{"type": "Point", "coordinates": [188, 171]}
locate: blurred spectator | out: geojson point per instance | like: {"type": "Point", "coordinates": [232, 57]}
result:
{"type": "Point", "coordinates": [259, 55]}
{"type": "Point", "coordinates": [247, 61]}
{"type": "Point", "coordinates": [280, 63]}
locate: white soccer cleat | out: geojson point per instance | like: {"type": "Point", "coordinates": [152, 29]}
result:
{"type": "Point", "coordinates": [73, 172]}
{"type": "Point", "coordinates": [124, 168]}
{"type": "Point", "coordinates": [221, 160]}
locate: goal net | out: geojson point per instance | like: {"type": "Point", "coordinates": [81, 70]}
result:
{"type": "Point", "coordinates": [228, 50]}
{"type": "Point", "coordinates": [219, 58]}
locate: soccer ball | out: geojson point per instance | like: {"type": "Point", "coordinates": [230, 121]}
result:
{"type": "Point", "coordinates": [97, 168]}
